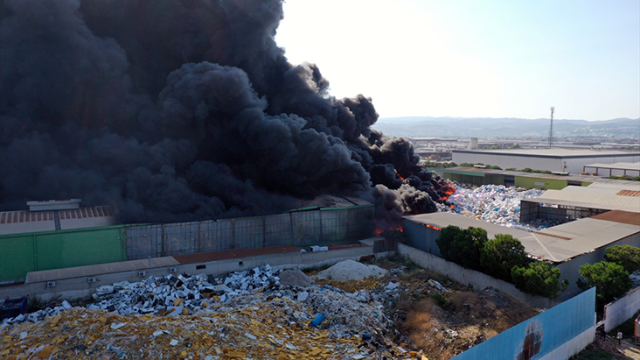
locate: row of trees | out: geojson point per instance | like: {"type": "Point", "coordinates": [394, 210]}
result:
{"type": "Point", "coordinates": [502, 257]}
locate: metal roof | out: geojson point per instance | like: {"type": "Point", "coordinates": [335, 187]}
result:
{"type": "Point", "coordinates": [557, 244]}
{"type": "Point", "coordinates": [617, 166]}
{"type": "Point", "coordinates": [20, 222]}
{"type": "Point", "coordinates": [329, 201]}
{"type": "Point", "coordinates": [555, 152]}
{"type": "Point", "coordinates": [571, 177]}
{"type": "Point", "coordinates": [609, 198]}
{"type": "Point", "coordinates": [618, 216]}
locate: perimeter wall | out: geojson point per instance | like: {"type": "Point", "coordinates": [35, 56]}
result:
{"type": "Point", "coordinates": [557, 334]}
{"type": "Point", "coordinates": [621, 310]}
{"type": "Point", "coordinates": [22, 253]}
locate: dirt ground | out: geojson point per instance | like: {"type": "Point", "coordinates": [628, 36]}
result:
{"type": "Point", "coordinates": [451, 323]}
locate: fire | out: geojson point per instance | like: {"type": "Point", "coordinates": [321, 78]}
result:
{"type": "Point", "coordinates": [449, 190]}
{"type": "Point", "coordinates": [433, 227]}
{"type": "Point", "coordinates": [380, 229]}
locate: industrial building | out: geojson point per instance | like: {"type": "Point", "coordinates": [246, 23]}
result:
{"type": "Point", "coordinates": [575, 202]}
{"type": "Point", "coordinates": [41, 244]}
{"type": "Point", "coordinates": [566, 246]}
{"type": "Point", "coordinates": [615, 169]}
{"type": "Point", "coordinates": [530, 180]}
{"type": "Point", "coordinates": [562, 160]}
{"type": "Point", "coordinates": [55, 215]}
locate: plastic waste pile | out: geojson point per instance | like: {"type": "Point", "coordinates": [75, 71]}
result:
{"type": "Point", "coordinates": [246, 314]}
{"type": "Point", "coordinates": [496, 204]}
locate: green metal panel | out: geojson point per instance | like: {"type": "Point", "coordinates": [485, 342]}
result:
{"type": "Point", "coordinates": [22, 253]}
{"type": "Point", "coordinates": [16, 256]}
{"type": "Point", "coordinates": [540, 183]}
{"type": "Point", "coordinates": [471, 173]}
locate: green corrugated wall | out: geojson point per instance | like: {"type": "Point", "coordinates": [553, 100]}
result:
{"type": "Point", "coordinates": [21, 253]}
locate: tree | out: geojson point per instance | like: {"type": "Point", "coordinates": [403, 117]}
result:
{"type": "Point", "coordinates": [501, 254]}
{"type": "Point", "coordinates": [444, 241]}
{"type": "Point", "coordinates": [625, 255]}
{"type": "Point", "coordinates": [610, 279]}
{"type": "Point", "coordinates": [462, 246]}
{"type": "Point", "coordinates": [538, 278]}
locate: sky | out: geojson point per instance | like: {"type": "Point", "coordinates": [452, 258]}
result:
{"type": "Point", "coordinates": [469, 58]}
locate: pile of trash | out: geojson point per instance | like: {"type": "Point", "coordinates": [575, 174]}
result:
{"type": "Point", "coordinates": [496, 204]}
{"type": "Point", "coordinates": [246, 314]}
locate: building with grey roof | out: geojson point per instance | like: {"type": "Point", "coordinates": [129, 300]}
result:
{"type": "Point", "coordinates": [564, 160]}
{"type": "Point", "coordinates": [566, 246]}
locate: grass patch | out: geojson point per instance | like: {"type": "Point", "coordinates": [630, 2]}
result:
{"type": "Point", "coordinates": [626, 327]}
{"type": "Point", "coordinates": [593, 354]}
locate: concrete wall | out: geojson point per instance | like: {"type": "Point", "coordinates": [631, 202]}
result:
{"type": "Point", "coordinates": [556, 334]}
{"type": "Point", "coordinates": [570, 270]}
{"type": "Point", "coordinates": [471, 277]}
{"type": "Point", "coordinates": [622, 309]}
{"type": "Point", "coordinates": [79, 287]}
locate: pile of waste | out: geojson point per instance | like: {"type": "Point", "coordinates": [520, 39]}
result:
{"type": "Point", "coordinates": [496, 204]}
{"type": "Point", "coordinates": [245, 315]}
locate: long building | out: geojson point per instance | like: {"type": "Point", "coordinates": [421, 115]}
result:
{"type": "Point", "coordinates": [563, 160]}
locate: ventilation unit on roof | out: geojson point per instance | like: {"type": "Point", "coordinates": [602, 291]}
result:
{"type": "Point", "coordinates": [49, 205]}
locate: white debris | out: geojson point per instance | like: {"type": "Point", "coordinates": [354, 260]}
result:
{"type": "Point", "coordinates": [496, 204]}
{"type": "Point", "coordinates": [351, 270]}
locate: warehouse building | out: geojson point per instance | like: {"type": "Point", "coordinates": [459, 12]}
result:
{"type": "Point", "coordinates": [578, 202]}
{"type": "Point", "coordinates": [615, 169]}
{"type": "Point", "coordinates": [55, 215]}
{"type": "Point", "coordinates": [529, 180]}
{"type": "Point", "coordinates": [562, 160]}
{"type": "Point", "coordinates": [566, 246]}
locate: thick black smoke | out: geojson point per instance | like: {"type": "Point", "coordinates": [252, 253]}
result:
{"type": "Point", "coordinates": [182, 110]}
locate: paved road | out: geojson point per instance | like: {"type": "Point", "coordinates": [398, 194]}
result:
{"type": "Point", "coordinates": [630, 350]}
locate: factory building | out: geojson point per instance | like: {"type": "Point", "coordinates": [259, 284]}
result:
{"type": "Point", "coordinates": [55, 215]}
{"type": "Point", "coordinates": [561, 160]}
{"type": "Point", "coordinates": [566, 246]}
{"type": "Point", "coordinates": [615, 169]}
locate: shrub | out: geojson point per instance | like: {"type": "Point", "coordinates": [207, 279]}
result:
{"type": "Point", "coordinates": [538, 278]}
{"type": "Point", "coordinates": [398, 235]}
{"type": "Point", "coordinates": [501, 254]}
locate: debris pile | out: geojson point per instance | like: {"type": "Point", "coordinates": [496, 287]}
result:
{"type": "Point", "coordinates": [351, 270]}
{"type": "Point", "coordinates": [247, 314]}
{"type": "Point", "coordinates": [496, 204]}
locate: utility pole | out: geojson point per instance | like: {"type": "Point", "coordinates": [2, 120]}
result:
{"type": "Point", "coordinates": [551, 128]}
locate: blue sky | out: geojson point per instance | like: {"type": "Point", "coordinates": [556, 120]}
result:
{"type": "Point", "coordinates": [468, 58]}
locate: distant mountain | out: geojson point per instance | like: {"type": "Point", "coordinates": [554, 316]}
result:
{"type": "Point", "coordinates": [505, 127]}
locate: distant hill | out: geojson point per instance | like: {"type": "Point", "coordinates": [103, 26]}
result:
{"type": "Point", "coordinates": [505, 127]}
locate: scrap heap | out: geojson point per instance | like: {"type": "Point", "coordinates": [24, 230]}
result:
{"type": "Point", "coordinates": [247, 315]}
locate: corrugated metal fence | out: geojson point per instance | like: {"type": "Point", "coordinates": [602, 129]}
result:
{"type": "Point", "coordinates": [296, 228]}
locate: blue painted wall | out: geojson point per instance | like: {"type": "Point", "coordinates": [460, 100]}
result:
{"type": "Point", "coordinates": [544, 333]}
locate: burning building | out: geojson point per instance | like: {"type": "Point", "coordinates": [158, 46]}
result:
{"type": "Point", "coordinates": [184, 110]}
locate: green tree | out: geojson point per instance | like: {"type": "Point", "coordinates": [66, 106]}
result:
{"type": "Point", "coordinates": [538, 278]}
{"type": "Point", "coordinates": [501, 254]}
{"type": "Point", "coordinates": [462, 246]}
{"type": "Point", "coordinates": [610, 279]}
{"type": "Point", "coordinates": [626, 255]}
{"type": "Point", "coordinates": [444, 241]}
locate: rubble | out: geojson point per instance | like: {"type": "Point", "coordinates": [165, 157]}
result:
{"type": "Point", "coordinates": [350, 270]}
{"type": "Point", "coordinates": [496, 204]}
{"type": "Point", "coordinates": [295, 278]}
{"type": "Point", "coordinates": [243, 315]}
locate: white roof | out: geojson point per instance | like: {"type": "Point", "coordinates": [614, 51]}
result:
{"type": "Point", "coordinates": [617, 166]}
{"type": "Point", "coordinates": [601, 196]}
{"type": "Point", "coordinates": [556, 244]}
{"type": "Point", "coordinates": [555, 152]}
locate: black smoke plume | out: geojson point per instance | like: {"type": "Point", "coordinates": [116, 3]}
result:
{"type": "Point", "coordinates": [176, 110]}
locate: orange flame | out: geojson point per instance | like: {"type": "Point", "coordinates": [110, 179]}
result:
{"type": "Point", "coordinates": [433, 227]}
{"type": "Point", "coordinates": [449, 190]}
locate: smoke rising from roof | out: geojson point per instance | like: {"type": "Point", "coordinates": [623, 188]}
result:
{"type": "Point", "coordinates": [182, 110]}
